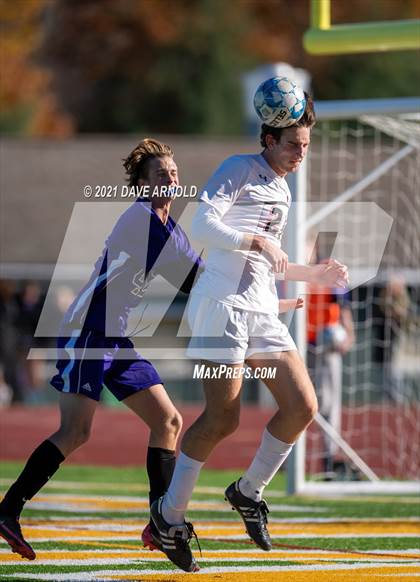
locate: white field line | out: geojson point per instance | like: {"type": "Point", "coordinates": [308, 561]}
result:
{"type": "Point", "coordinates": [70, 501]}
{"type": "Point", "coordinates": [217, 506]}
{"type": "Point", "coordinates": [71, 485]}
{"type": "Point", "coordinates": [75, 508]}
{"type": "Point", "coordinates": [110, 527]}
{"type": "Point", "coordinates": [89, 526]}
{"type": "Point", "coordinates": [106, 574]}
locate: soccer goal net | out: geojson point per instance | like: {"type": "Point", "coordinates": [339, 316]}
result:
{"type": "Point", "coordinates": [363, 206]}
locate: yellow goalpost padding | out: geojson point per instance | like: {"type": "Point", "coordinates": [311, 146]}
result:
{"type": "Point", "coordinates": [324, 39]}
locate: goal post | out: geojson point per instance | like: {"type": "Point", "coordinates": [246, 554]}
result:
{"type": "Point", "coordinates": [326, 39]}
{"type": "Point", "coordinates": [366, 151]}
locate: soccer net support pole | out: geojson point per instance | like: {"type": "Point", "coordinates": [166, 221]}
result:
{"type": "Point", "coordinates": [346, 448]}
{"type": "Point", "coordinates": [296, 248]}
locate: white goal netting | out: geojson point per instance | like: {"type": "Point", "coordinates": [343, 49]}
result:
{"type": "Point", "coordinates": [370, 395]}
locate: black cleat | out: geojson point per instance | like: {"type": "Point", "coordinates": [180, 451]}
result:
{"type": "Point", "coordinates": [11, 532]}
{"type": "Point", "coordinates": [253, 513]}
{"type": "Point", "coordinates": [173, 540]}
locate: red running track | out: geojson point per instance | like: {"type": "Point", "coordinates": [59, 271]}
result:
{"type": "Point", "coordinates": [386, 436]}
{"type": "Point", "coordinates": [119, 438]}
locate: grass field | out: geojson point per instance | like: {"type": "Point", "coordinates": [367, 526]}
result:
{"type": "Point", "coordinates": [86, 524]}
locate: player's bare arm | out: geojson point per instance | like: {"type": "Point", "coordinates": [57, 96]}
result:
{"type": "Point", "coordinates": [332, 273]}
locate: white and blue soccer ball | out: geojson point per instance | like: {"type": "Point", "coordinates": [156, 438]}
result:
{"type": "Point", "coordinates": [333, 336]}
{"type": "Point", "coordinates": [279, 102]}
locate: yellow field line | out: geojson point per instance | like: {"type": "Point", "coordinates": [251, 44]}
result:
{"type": "Point", "coordinates": [284, 529]}
{"type": "Point", "coordinates": [314, 575]}
{"type": "Point", "coordinates": [306, 555]}
{"type": "Point", "coordinates": [114, 545]}
{"type": "Point", "coordinates": [308, 529]}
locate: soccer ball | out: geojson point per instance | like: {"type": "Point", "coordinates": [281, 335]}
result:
{"type": "Point", "coordinates": [279, 102]}
{"type": "Point", "coordinates": [333, 336]}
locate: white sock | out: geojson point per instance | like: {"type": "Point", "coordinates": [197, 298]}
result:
{"type": "Point", "coordinates": [176, 499]}
{"type": "Point", "coordinates": [267, 461]}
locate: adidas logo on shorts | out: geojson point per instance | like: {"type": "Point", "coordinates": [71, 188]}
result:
{"type": "Point", "coordinates": [87, 387]}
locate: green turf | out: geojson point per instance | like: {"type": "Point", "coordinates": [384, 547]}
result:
{"type": "Point", "coordinates": [132, 482]}
{"type": "Point", "coordinates": [344, 509]}
{"type": "Point", "coordinates": [356, 544]}
{"type": "Point", "coordinates": [123, 475]}
{"type": "Point", "coordinates": [400, 507]}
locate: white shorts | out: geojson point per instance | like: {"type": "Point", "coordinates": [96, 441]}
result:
{"type": "Point", "coordinates": [226, 335]}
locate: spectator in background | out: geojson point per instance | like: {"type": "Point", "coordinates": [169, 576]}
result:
{"type": "Point", "coordinates": [64, 297]}
{"type": "Point", "coordinates": [9, 341]}
{"type": "Point", "coordinates": [32, 373]}
{"type": "Point", "coordinates": [390, 314]}
{"type": "Point", "coordinates": [330, 336]}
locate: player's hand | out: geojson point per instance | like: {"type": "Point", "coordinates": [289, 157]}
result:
{"type": "Point", "coordinates": [288, 304]}
{"type": "Point", "coordinates": [345, 346]}
{"type": "Point", "coordinates": [277, 257]}
{"type": "Point", "coordinates": [274, 254]}
{"type": "Point", "coordinates": [299, 303]}
{"type": "Point", "coordinates": [331, 274]}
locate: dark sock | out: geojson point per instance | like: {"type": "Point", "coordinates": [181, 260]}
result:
{"type": "Point", "coordinates": [41, 465]}
{"type": "Point", "coordinates": [160, 468]}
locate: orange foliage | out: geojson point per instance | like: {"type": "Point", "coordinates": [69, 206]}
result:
{"type": "Point", "coordinates": [24, 86]}
{"type": "Point", "coordinates": [112, 37]}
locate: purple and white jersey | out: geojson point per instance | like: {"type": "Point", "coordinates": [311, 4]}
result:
{"type": "Point", "coordinates": [139, 248]}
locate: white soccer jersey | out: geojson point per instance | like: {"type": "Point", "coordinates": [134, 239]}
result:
{"type": "Point", "coordinates": [244, 195]}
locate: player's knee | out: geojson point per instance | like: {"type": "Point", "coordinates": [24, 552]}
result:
{"type": "Point", "coordinates": [82, 436]}
{"type": "Point", "coordinates": [173, 424]}
{"type": "Point", "coordinates": [224, 425]}
{"type": "Point", "coordinates": [308, 409]}
{"type": "Point", "coordinates": [177, 423]}
{"type": "Point", "coordinates": [168, 426]}
{"type": "Point", "coordinates": [76, 436]}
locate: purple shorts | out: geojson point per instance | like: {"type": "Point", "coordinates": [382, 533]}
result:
{"type": "Point", "coordinates": [91, 361]}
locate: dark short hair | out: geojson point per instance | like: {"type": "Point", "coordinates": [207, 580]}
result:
{"type": "Point", "coordinates": [136, 163]}
{"type": "Point", "coordinates": [308, 119]}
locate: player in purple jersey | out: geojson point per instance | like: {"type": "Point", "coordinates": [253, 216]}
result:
{"type": "Point", "coordinates": [94, 350]}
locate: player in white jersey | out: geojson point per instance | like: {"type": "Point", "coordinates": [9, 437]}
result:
{"type": "Point", "coordinates": [233, 314]}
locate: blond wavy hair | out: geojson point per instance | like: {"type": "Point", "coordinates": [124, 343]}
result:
{"type": "Point", "coordinates": [136, 163]}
